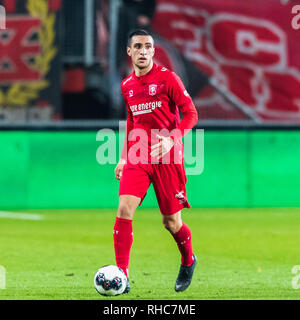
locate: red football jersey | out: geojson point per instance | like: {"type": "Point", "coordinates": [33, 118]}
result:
{"type": "Point", "coordinates": [153, 102]}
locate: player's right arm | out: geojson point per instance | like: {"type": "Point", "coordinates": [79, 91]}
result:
{"type": "Point", "coordinates": [129, 127]}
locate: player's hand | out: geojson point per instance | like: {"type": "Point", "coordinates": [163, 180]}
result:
{"type": "Point", "coordinates": [119, 169]}
{"type": "Point", "coordinates": [161, 148]}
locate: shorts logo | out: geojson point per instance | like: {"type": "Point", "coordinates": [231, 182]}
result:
{"type": "Point", "coordinates": [180, 196]}
{"type": "Point", "coordinates": [152, 89]}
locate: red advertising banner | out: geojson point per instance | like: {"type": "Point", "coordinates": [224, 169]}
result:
{"type": "Point", "coordinates": [249, 47]}
{"type": "Point", "coordinates": [30, 61]}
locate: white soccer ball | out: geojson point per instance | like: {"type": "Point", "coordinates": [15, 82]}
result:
{"type": "Point", "coordinates": [110, 280]}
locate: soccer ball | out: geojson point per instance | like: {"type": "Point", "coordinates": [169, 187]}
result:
{"type": "Point", "coordinates": [110, 280]}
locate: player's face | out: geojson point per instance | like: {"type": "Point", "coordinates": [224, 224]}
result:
{"type": "Point", "coordinates": [141, 51]}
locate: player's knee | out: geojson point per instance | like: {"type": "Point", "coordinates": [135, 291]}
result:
{"type": "Point", "coordinates": [167, 225]}
{"type": "Point", "coordinates": [125, 211]}
{"type": "Point", "coordinates": [171, 225]}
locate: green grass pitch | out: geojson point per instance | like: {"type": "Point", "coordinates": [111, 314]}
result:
{"type": "Point", "coordinates": [242, 254]}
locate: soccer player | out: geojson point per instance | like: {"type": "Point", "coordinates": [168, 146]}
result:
{"type": "Point", "coordinates": [153, 153]}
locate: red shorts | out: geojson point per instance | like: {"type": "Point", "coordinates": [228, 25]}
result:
{"type": "Point", "coordinates": [168, 180]}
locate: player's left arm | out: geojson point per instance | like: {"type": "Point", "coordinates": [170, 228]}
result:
{"type": "Point", "coordinates": [184, 102]}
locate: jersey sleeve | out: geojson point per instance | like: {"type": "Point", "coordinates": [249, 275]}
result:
{"type": "Point", "coordinates": [129, 127]}
{"type": "Point", "coordinates": [185, 104]}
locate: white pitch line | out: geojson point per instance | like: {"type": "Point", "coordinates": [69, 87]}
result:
{"type": "Point", "coordinates": [22, 216]}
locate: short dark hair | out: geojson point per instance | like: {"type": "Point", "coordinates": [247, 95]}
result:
{"type": "Point", "coordinates": [138, 32]}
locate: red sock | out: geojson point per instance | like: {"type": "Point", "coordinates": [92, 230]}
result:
{"type": "Point", "coordinates": [183, 239]}
{"type": "Point", "coordinates": [123, 238]}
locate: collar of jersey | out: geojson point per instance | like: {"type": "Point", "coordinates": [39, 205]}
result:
{"type": "Point", "coordinates": [145, 76]}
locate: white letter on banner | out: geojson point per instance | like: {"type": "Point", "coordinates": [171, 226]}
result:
{"type": "Point", "coordinates": [2, 18]}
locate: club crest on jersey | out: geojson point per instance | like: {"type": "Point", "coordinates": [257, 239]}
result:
{"type": "Point", "coordinates": [152, 89]}
{"type": "Point", "coordinates": [130, 93]}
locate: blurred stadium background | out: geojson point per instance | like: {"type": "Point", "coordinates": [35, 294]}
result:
{"type": "Point", "coordinates": [61, 64]}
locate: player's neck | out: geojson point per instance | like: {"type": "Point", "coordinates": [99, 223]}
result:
{"type": "Point", "coordinates": [141, 72]}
